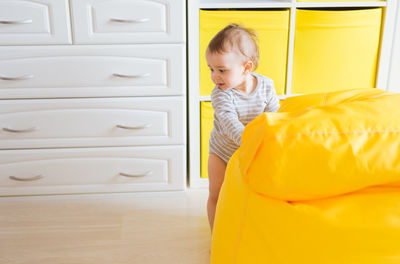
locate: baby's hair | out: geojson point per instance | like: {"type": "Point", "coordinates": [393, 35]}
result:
{"type": "Point", "coordinates": [235, 37]}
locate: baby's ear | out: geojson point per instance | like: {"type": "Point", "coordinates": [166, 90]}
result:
{"type": "Point", "coordinates": [248, 66]}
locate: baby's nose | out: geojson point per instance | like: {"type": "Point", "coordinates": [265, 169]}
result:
{"type": "Point", "coordinates": [216, 75]}
{"type": "Point", "coordinates": [216, 80]}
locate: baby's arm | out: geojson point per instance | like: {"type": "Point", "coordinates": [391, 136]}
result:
{"type": "Point", "coordinates": [272, 101]}
{"type": "Point", "coordinates": [225, 114]}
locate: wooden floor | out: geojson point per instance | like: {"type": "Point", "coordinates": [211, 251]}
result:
{"type": "Point", "coordinates": [105, 228]}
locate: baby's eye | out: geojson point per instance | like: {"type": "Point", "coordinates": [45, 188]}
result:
{"type": "Point", "coordinates": [211, 70]}
{"type": "Point", "coordinates": [221, 71]}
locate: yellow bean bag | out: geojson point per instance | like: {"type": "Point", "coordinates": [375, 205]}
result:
{"type": "Point", "coordinates": [317, 182]}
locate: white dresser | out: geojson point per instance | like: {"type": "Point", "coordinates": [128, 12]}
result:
{"type": "Point", "coordinates": [92, 96]}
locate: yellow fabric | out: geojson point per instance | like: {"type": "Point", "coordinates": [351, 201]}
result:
{"type": "Point", "coordinates": [342, 141]}
{"type": "Point", "coordinates": [358, 228]}
{"type": "Point", "coordinates": [206, 123]}
{"type": "Point", "coordinates": [272, 28]}
{"type": "Point", "coordinates": [335, 49]}
{"type": "Point", "coordinates": [347, 200]}
{"type": "Point", "coordinates": [295, 103]}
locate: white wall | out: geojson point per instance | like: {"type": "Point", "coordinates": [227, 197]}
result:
{"type": "Point", "coordinates": [394, 73]}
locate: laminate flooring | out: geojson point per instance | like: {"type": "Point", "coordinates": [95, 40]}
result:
{"type": "Point", "coordinates": [158, 227]}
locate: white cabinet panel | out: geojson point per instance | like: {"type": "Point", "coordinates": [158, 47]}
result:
{"type": "Point", "coordinates": [57, 171]}
{"type": "Point", "coordinates": [34, 22]}
{"type": "Point", "coordinates": [128, 21]}
{"type": "Point", "coordinates": [71, 71]}
{"type": "Point", "coordinates": [92, 122]}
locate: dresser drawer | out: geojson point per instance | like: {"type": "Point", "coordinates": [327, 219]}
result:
{"type": "Point", "coordinates": [128, 21]}
{"type": "Point", "coordinates": [34, 22]}
{"type": "Point", "coordinates": [57, 171]}
{"type": "Point", "coordinates": [92, 71]}
{"type": "Point", "coordinates": [92, 122]}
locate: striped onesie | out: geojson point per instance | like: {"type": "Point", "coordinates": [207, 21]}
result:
{"type": "Point", "coordinates": [233, 110]}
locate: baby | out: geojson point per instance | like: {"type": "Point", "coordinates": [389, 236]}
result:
{"type": "Point", "coordinates": [239, 96]}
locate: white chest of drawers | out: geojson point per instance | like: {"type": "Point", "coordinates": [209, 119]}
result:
{"type": "Point", "coordinates": [102, 111]}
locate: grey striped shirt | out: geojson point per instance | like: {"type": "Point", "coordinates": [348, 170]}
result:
{"type": "Point", "coordinates": [233, 110]}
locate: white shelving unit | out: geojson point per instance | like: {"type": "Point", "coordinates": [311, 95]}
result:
{"type": "Point", "coordinates": [394, 69]}
{"type": "Point", "coordinates": [386, 49]}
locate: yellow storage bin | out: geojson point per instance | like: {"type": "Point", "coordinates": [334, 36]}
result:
{"type": "Point", "coordinates": [335, 50]}
{"type": "Point", "coordinates": [206, 123]}
{"type": "Point", "coordinates": [272, 28]}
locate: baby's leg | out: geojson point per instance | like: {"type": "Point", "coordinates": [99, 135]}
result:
{"type": "Point", "coordinates": [216, 173]}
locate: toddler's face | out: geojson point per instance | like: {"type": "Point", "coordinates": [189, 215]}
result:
{"type": "Point", "coordinates": [227, 69]}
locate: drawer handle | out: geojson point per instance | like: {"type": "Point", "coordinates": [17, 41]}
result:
{"type": "Point", "coordinates": [19, 22]}
{"type": "Point", "coordinates": [131, 76]}
{"type": "Point", "coordinates": [135, 127]}
{"type": "Point", "coordinates": [31, 129]}
{"type": "Point", "coordinates": [34, 178]}
{"type": "Point", "coordinates": [130, 21]}
{"type": "Point", "coordinates": [135, 175]}
{"type": "Point", "coordinates": [20, 78]}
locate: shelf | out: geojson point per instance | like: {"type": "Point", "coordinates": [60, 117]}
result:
{"type": "Point", "coordinates": [205, 98]}
{"type": "Point", "coordinates": [387, 33]}
{"type": "Point", "coordinates": [341, 4]}
{"type": "Point", "coordinates": [210, 4]}
{"type": "Point", "coordinates": [208, 98]}
{"type": "Point", "coordinates": [237, 4]}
